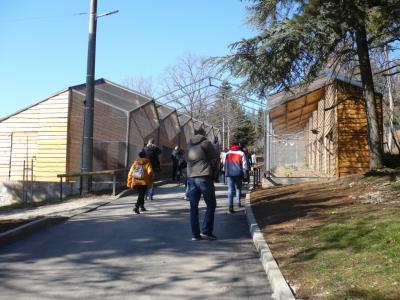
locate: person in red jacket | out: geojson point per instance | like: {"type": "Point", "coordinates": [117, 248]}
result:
{"type": "Point", "coordinates": [235, 165]}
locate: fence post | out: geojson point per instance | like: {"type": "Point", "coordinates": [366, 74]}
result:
{"type": "Point", "coordinates": [32, 179]}
{"type": "Point", "coordinates": [80, 185]}
{"type": "Point", "coordinates": [114, 183]}
{"type": "Point", "coordinates": [23, 183]}
{"type": "Point", "coordinates": [254, 178]}
{"type": "Point", "coordinates": [61, 189]}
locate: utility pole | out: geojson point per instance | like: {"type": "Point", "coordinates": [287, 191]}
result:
{"type": "Point", "coordinates": [87, 148]}
{"type": "Point", "coordinates": [267, 142]}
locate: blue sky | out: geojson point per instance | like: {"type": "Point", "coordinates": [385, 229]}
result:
{"type": "Point", "coordinates": [43, 45]}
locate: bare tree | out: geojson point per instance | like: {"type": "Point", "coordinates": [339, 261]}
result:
{"type": "Point", "coordinates": [143, 85]}
{"type": "Point", "coordinates": [186, 85]}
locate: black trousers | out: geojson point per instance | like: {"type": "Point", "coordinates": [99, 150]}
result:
{"type": "Point", "coordinates": [174, 170]}
{"type": "Point", "coordinates": [141, 193]}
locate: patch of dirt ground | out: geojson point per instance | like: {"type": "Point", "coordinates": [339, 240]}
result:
{"type": "Point", "coordinates": [286, 211]}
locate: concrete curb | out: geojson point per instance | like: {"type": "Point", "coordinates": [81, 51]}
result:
{"type": "Point", "coordinates": [39, 224]}
{"type": "Point", "coordinates": [36, 225]}
{"type": "Point", "coordinates": [28, 228]}
{"type": "Point", "coordinates": [280, 288]}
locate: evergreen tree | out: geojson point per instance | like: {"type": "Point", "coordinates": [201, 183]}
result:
{"type": "Point", "coordinates": [298, 39]}
{"type": "Point", "coordinates": [245, 133]}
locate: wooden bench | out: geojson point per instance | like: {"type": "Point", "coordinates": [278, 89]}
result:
{"type": "Point", "coordinates": [112, 173]}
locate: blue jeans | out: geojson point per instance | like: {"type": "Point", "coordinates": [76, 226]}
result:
{"type": "Point", "coordinates": [150, 188]}
{"type": "Point", "coordinates": [201, 186]}
{"type": "Point", "coordinates": [234, 186]}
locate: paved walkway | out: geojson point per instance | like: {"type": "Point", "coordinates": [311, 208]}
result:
{"type": "Point", "coordinates": [110, 253]}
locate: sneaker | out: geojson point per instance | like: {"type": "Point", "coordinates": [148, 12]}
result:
{"type": "Point", "coordinates": [196, 238]}
{"type": "Point", "coordinates": [209, 237]}
{"type": "Point", "coordinates": [231, 210]}
{"type": "Point", "coordinates": [143, 208]}
{"type": "Point", "coordinates": [136, 210]}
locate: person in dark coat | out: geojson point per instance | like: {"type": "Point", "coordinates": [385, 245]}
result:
{"type": "Point", "coordinates": [247, 156]}
{"type": "Point", "coordinates": [201, 160]}
{"type": "Point", "coordinates": [176, 157]}
{"type": "Point", "coordinates": [217, 149]}
{"type": "Point", "coordinates": [152, 152]}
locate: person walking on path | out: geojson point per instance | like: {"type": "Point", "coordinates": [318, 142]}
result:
{"type": "Point", "coordinates": [152, 152]}
{"type": "Point", "coordinates": [222, 168]}
{"type": "Point", "coordinates": [201, 161]}
{"type": "Point", "coordinates": [235, 166]}
{"type": "Point", "coordinates": [176, 157]}
{"type": "Point", "coordinates": [246, 172]}
{"type": "Point", "coordinates": [183, 172]}
{"type": "Point", "coordinates": [217, 166]}
{"type": "Point", "coordinates": [253, 158]}
{"type": "Point", "coordinates": [140, 177]}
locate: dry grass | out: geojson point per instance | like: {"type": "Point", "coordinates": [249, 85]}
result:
{"type": "Point", "coordinates": [335, 239]}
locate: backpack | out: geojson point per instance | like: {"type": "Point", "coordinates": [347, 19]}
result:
{"type": "Point", "coordinates": [139, 172]}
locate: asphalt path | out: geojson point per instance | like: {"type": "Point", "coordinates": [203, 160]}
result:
{"type": "Point", "coordinates": [111, 253]}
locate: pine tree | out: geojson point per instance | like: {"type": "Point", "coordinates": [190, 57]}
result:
{"type": "Point", "coordinates": [298, 39]}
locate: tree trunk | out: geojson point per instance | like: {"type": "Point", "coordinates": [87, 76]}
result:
{"type": "Point", "coordinates": [374, 138]}
{"type": "Point", "coordinates": [395, 140]}
{"type": "Point", "coordinates": [391, 105]}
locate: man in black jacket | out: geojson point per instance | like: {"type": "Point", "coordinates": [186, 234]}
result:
{"type": "Point", "coordinates": [201, 165]}
{"type": "Point", "coordinates": [176, 157]}
{"type": "Point", "coordinates": [152, 153]}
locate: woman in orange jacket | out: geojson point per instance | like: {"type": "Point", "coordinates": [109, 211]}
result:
{"type": "Point", "coordinates": [140, 177]}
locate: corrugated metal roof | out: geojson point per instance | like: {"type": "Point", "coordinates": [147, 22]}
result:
{"type": "Point", "coordinates": [164, 111]}
{"type": "Point", "coordinates": [119, 97]}
{"type": "Point", "coordinates": [183, 119]}
{"type": "Point", "coordinates": [116, 95]}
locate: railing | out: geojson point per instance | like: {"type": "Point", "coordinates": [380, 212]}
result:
{"type": "Point", "coordinates": [112, 173]}
{"type": "Point", "coordinates": [257, 171]}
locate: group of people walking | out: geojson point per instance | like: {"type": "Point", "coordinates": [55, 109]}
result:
{"type": "Point", "coordinates": [199, 169]}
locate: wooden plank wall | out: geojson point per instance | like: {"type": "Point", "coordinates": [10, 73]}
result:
{"type": "Point", "coordinates": [5, 154]}
{"type": "Point", "coordinates": [331, 131]}
{"type": "Point", "coordinates": [353, 131]}
{"type": "Point", "coordinates": [109, 137]}
{"type": "Point", "coordinates": [51, 132]}
{"type": "Point", "coordinates": [341, 145]}
{"type": "Point", "coordinates": [315, 140]}
{"type": "Point", "coordinates": [307, 144]}
{"type": "Point", "coordinates": [320, 145]}
{"type": "Point", "coordinates": [75, 133]}
{"type": "Point", "coordinates": [44, 126]}
{"type": "Point", "coordinates": [321, 136]}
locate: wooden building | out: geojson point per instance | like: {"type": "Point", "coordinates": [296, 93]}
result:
{"type": "Point", "coordinates": [45, 139]}
{"type": "Point", "coordinates": [331, 112]}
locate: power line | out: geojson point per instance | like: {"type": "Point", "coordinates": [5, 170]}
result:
{"type": "Point", "coordinates": [44, 17]}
